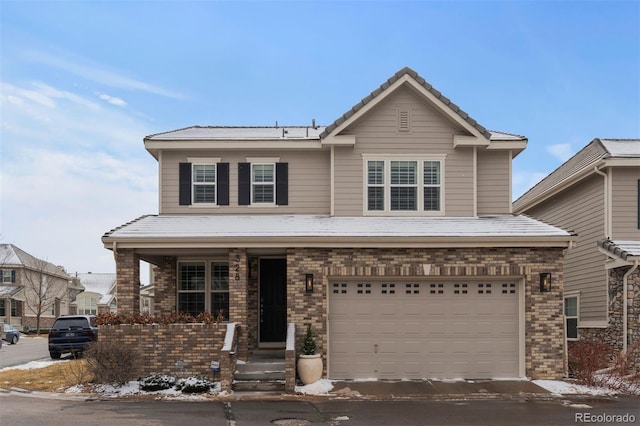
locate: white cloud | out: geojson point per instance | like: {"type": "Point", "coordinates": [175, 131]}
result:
{"type": "Point", "coordinates": [112, 100]}
{"type": "Point", "coordinates": [72, 169]}
{"type": "Point", "coordinates": [561, 151]}
{"type": "Point", "coordinates": [96, 72]}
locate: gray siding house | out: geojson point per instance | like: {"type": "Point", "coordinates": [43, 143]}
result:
{"type": "Point", "coordinates": [27, 282]}
{"type": "Point", "coordinates": [596, 194]}
{"type": "Point", "coordinates": [390, 231]}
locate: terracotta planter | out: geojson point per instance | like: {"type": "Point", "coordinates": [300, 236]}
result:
{"type": "Point", "coordinates": [310, 368]}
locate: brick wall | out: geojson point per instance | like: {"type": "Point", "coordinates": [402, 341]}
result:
{"type": "Point", "coordinates": [179, 350]}
{"type": "Point", "coordinates": [544, 338]}
{"type": "Point", "coordinates": [165, 280]}
{"type": "Point", "coordinates": [128, 281]}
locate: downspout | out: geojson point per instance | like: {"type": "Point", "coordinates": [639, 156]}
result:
{"type": "Point", "coordinates": [625, 287]}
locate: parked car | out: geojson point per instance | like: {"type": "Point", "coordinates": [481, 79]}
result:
{"type": "Point", "coordinates": [10, 334]}
{"type": "Point", "coordinates": [72, 334]}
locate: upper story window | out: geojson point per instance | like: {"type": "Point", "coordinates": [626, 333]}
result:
{"type": "Point", "coordinates": [263, 183]}
{"type": "Point", "coordinates": [7, 276]}
{"type": "Point", "coordinates": [204, 182]}
{"type": "Point", "coordinates": [404, 185]}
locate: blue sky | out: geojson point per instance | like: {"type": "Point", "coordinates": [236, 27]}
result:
{"type": "Point", "coordinates": [81, 84]}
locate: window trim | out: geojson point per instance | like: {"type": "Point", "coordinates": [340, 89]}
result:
{"type": "Point", "coordinates": [195, 161]}
{"type": "Point", "coordinates": [7, 273]}
{"type": "Point", "coordinates": [575, 295]}
{"type": "Point", "coordinates": [208, 290]}
{"type": "Point", "coordinates": [387, 159]}
{"type": "Point", "coordinates": [272, 184]}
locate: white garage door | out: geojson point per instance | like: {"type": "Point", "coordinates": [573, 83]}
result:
{"type": "Point", "coordinates": [415, 330]}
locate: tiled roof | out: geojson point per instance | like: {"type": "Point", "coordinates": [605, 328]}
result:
{"type": "Point", "coordinates": [622, 147]}
{"type": "Point", "coordinates": [587, 157]}
{"type": "Point", "coordinates": [273, 227]}
{"type": "Point", "coordinates": [97, 282]}
{"type": "Point", "coordinates": [405, 71]}
{"type": "Point", "coordinates": [625, 250]}
{"type": "Point", "coordinates": [239, 133]}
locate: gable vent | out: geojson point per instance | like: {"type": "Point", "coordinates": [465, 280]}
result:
{"type": "Point", "coordinates": [404, 120]}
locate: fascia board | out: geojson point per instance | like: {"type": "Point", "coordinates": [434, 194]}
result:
{"type": "Point", "coordinates": [508, 145]}
{"type": "Point", "coordinates": [194, 145]}
{"type": "Point", "coordinates": [338, 242]}
{"type": "Point", "coordinates": [421, 90]}
{"type": "Point", "coordinates": [558, 187]}
{"type": "Point", "coordinates": [622, 162]}
{"type": "Point", "coordinates": [342, 140]}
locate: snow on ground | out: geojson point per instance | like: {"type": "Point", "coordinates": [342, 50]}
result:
{"type": "Point", "coordinates": [321, 387]}
{"type": "Point", "coordinates": [33, 365]}
{"type": "Point", "coordinates": [559, 387]}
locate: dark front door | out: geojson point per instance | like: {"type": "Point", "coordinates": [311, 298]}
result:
{"type": "Point", "coordinates": [273, 300]}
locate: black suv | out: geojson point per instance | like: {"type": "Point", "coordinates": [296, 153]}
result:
{"type": "Point", "coordinates": [72, 333]}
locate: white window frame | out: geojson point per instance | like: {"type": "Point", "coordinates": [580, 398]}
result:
{"type": "Point", "coordinates": [387, 159]}
{"type": "Point", "coordinates": [208, 282]}
{"type": "Point", "coordinates": [213, 184]}
{"type": "Point", "coordinates": [576, 316]}
{"type": "Point", "coordinates": [254, 184]}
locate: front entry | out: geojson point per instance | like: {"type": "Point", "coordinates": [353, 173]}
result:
{"type": "Point", "coordinates": [273, 301]}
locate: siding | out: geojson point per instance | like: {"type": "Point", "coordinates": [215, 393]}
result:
{"type": "Point", "coordinates": [309, 182]}
{"type": "Point", "coordinates": [625, 203]}
{"type": "Point", "coordinates": [581, 209]}
{"type": "Point", "coordinates": [431, 134]}
{"type": "Point", "coordinates": [493, 182]}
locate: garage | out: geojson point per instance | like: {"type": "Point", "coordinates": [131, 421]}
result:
{"type": "Point", "coordinates": [423, 330]}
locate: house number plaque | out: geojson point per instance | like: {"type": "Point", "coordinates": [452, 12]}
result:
{"type": "Point", "coordinates": [236, 267]}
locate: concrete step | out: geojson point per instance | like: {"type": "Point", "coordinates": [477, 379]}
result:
{"type": "Point", "coordinates": [252, 366]}
{"type": "Point", "coordinates": [259, 375]}
{"type": "Point", "coordinates": [258, 386]}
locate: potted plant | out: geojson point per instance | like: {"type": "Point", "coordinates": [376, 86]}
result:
{"type": "Point", "coordinates": [309, 362]}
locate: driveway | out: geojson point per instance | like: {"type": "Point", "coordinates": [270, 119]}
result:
{"type": "Point", "coordinates": [27, 349]}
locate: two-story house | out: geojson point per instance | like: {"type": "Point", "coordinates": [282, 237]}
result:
{"type": "Point", "coordinates": [389, 231]}
{"type": "Point", "coordinates": [98, 295]}
{"type": "Point", "coordinates": [596, 193]}
{"type": "Point", "coordinates": [30, 286]}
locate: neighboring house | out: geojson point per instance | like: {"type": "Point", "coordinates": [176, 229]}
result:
{"type": "Point", "coordinates": [99, 294]}
{"type": "Point", "coordinates": [596, 194]}
{"type": "Point", "coordinates": [25, 282]}
{"type": "Point", "coordinates": [389, 231]}
{"type": "Point", "coordinates": [146, 299]}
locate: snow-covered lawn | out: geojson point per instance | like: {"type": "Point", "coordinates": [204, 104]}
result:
{"type": "Point", "coordinates": [560, 387]}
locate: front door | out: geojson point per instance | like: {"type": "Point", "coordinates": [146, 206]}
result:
{"type": "Point", "coordinates": [273, 300]}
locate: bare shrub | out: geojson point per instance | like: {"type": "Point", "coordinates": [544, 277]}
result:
{"type": "Point", "coordinates": [76, 372]}
{"type": "Point", "coordinates": [586, 357]}
{"type": "Point", "coordinates": [111, 362]}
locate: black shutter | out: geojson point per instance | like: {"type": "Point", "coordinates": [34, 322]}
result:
{"type": "Point", "coordinates": [282, 184]}
{"type": "Point", "coordinates": [244, 184]}
{"type": "Point", "coordinates": [185, 184]}
{"type": "Point", "coordinates": [13, 276]}
{"type": "Point", "coordinates": [222, 184]}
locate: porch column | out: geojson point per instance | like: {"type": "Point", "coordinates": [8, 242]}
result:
{"type": "Point", "coordinates": [128, 281]}
{"type": "Point", "coordinates": [165, 278]}
{"type": "Point", "coordinates": [238, 310]}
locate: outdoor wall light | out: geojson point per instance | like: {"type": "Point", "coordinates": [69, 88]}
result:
{"type": "Point", "coordinates": [545, 282]}
{"type": "Point", "coordinates": [308, 283]}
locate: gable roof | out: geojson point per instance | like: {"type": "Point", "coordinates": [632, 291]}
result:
{"type": "Point", "coordinates": [239, 133]}
{"type": "Point", "coordinates": [576, 168]}
{"type": "Point", "coordinates": [10, 255]}
{"type": "Point", "coordinates": [100, 283]}
{"type": "Point", "coordinates": [406, 71]}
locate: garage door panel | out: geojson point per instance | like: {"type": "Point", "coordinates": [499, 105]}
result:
{"type": "Point", "coordinates": [437, 330]}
